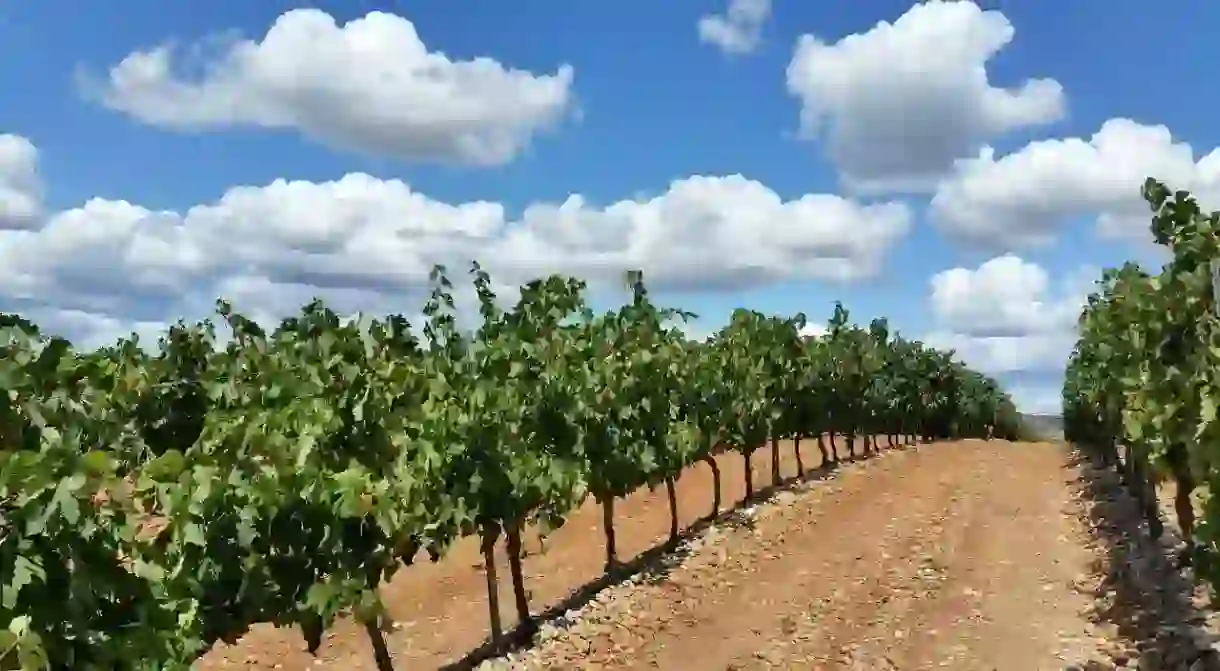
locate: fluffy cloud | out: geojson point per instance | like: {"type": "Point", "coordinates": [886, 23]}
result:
{"type": "Point", "coordinates": [1024, 198]}
{"type": "Point", "coordinates": [995, 355]}
{"type": "Point", "coordinates": [813, 331]}
{"type": "Point", "coordinates": [20, 185]}
{"type": "Point", "coordinates": [369, 85]}
{"type": "Point", "coordinates": [897, 104]}
{"type": "Point", "coordinates": [708, 232]}
{"type": "Point", "coordinates": [366, 243]}
{"type": "Point", "coordinates": [739, 30]}
{"type": "Point", "coordinates": [1039, 400]}
{"type": "Point", "coordinates": [1005, 317]}
{"type": "Point", "coordinates": [90, 329]}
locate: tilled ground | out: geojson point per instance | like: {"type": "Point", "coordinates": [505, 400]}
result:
{"type": "Point", "coordinates": [971, 555]}
{"type": "Point", "coordinates": [954, 556]}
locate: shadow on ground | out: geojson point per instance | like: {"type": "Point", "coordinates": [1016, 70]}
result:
{"type": "Point", "coordinates": [1150, 600]}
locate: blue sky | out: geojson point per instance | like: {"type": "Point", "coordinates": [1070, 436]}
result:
{"type": "Point", "coordinates": [136, 185]}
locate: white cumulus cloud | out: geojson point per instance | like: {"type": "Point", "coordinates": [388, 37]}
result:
{"type": "Point", "coordinates": [1005, 316]}
{"type": "Point", "coordinates": [366, 243]}
{"type": "Point", "coordinates": [897, 104]}
{"type": "Point", "coordinates": [813, 330]}
{"type": "Point", "coordinates": [1026, 197]}
{"type": "Point", "coordinates": [369, 85]}
{"type": "Point", "coordinates": [1039, 400]}
{"type": "Point", "coordinates": [709, 231]}
{"type": "Point", "coordinates": [20, 184]}
{"type": "Point", "coordinates": [738, 30]}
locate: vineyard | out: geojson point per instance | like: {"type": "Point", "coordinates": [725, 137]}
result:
{"type": "Point", "coordinates": [1141, 388]}
{"type": "Point", "coordinates": [157, 500]}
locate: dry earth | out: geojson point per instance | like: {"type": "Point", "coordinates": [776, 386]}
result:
{"type": "Point", "coordinates": [970, 555]}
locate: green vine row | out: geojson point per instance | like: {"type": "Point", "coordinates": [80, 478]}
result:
{"type": "Point", "coordinates": [1141, 388]}
{"type": "Point", "coordinates": [155, 501]}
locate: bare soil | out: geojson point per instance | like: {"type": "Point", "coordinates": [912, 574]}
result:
{"type": "Point", "coordinates": [967, 555]}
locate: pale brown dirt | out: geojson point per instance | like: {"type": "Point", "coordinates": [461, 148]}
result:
{"type": "Point", "coordinates": [954, 556]}
{"type": "Point", "coordinates": [964, 555]}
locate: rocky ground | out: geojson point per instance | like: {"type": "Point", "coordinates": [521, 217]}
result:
{"type": "Point", "coordinates": [1152, 611]}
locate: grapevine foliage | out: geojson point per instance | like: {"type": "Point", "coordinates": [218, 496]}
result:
{"type": "Point", "coordinates": [1141, 387]}
{"type": "Point", "coordinates": [155, 501]}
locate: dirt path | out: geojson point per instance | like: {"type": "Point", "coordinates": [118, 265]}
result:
{"type": "Point", "coordinates": [950, 556]}
{"type": "Point", "coordinates": [957, 556]}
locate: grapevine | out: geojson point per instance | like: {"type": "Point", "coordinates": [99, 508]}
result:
{"type": "Point", "coordinates": [1141, 390]}
{"type": "Point", "coordinates": [156, 501]}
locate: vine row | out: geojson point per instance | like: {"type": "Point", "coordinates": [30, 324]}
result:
{"type": "Point", "coordinates": [1141, 389]}
{"type": "Point", "coordinates": [157, 500]}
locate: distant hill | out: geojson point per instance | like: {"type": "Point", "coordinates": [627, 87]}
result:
{"type": "Point", "coordinates": [1047, 427]}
